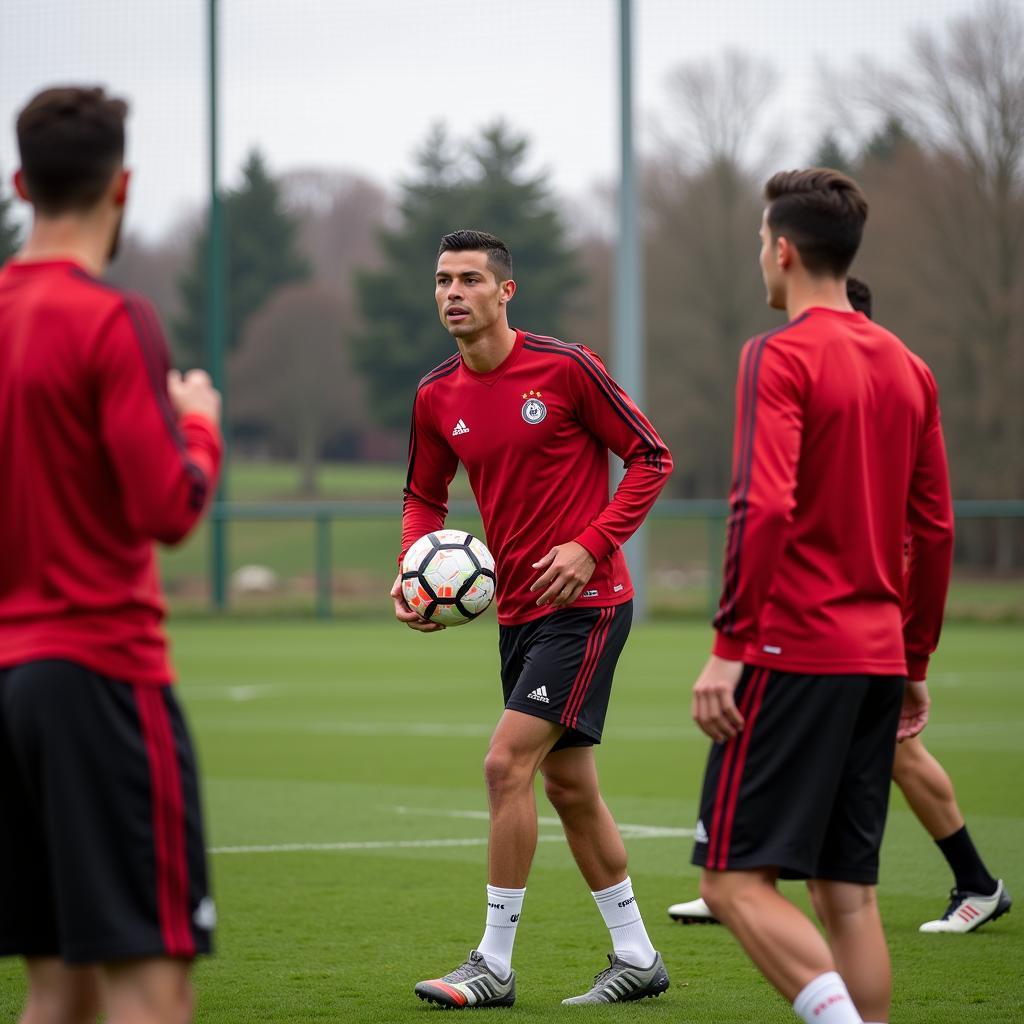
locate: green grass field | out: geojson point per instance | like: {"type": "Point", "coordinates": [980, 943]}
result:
{"type": "Point", "coordinates": [368, 739]}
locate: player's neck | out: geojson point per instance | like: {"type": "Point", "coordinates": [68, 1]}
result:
{"type": "Point", "coordinates": [488, 350]}
{"type": "Point", "coordinates": [79, 239]}
{"type": "Point", "coordinates": [804, 293]}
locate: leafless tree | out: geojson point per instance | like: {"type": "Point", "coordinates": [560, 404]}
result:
{"type": "Point", "coordinates": [704, 297]}
{"type": "Point", "coordinates": [962, 100]}
{"type": "Point", "coordinates": [293, 373]}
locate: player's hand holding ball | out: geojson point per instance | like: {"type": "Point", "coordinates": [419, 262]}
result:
{"type": "Point", "coordinates": [193, 393]}
{"type": "Point", "coordinates": [447, 579]}
{"type": "Point", "coordinates": [405, 614]}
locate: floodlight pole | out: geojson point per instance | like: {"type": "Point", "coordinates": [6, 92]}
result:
{"type": "Point", "coordinates": [627, 342]}
{"type": "Point", "coordinates": [216, 321]}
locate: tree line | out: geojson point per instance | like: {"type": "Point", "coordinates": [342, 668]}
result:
{"type": "Point", "coordinates": [330, 302]}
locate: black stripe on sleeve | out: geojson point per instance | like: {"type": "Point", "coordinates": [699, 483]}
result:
{"type": "Point", "coordinates": [724, 620]}
{"type": "Point", "coordinates": [153, 348]}
{"type": "Point", "coordinates": [605, 384]}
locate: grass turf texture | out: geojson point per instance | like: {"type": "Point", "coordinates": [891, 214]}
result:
{"type": "Point", "coordinates": [319, 733]}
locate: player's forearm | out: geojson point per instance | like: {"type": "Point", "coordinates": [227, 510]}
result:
{"type": "Point", "coordinates": [754, 545]}
{"type": "Point", "coordinates": [625, 513]}
{"type": "Point", "coordinates": [924, 604]}
{"type": "Point", "coordinates": [194, 476]}
{"type": "Point", "coordinates": [420, 516]}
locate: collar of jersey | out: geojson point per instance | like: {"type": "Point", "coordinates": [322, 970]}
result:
{"type": "Point", "coordinates": [499, 371]}
{"type": "Point", "coordinates": [48, 264]}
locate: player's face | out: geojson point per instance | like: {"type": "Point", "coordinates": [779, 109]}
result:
{"type": "Point", "coordinates": [771, 269]}
{"type": "Point", "coordinates": [470, 299]}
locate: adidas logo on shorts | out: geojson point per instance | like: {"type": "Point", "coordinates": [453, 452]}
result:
{"type": "Point", "coordinates": [541, 694]}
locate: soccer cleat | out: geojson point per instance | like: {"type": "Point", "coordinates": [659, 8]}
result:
{"type": "Point", "coordinates": [694, 912]}
{"type": "Point", "coordinates": [968, 911]}
{"type": "Point", "coordinates": [472, 984]}
{"type": "Point", "coordinates": [623, 982]}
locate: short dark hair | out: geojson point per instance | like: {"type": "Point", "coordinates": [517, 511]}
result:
{"type": "Point", "coordinates": [71, 141]}
{"type": "Point", "coordinates": [499, 259]}
{"type": "Point", "coordinates": [859, 295]}
{"type": "Point", "coordinates": [822, 212]}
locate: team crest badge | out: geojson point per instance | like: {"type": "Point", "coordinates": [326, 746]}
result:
{"type": "Point", "coordinates": [534, 410]}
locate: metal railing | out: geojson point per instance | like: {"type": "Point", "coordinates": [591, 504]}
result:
{"type": "Point", "coordinates": [323, 514]}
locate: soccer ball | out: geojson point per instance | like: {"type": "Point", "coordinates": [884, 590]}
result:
{"type": "Point", "coordinates": [448, 577]}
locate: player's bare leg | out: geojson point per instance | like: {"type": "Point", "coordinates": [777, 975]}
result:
{"type": "Point", "coordinates": [570, 781]}
{"type": "Point", "coordinates": [518, 746]}
{"type": "Point", "coordinates": [783, 943]}
{"type": "Point", "coordinates": [59, 994]}
{"type": "Point", "coordinates": [636, 969]}
{"type": "Point", "coordinates": [850, 915]}
{"type": "Point", "coordinates": [977, 895]}
{"type": "Point", "coordinates": [155, 991]}
{"type": "Point", "coordinates": [927, 788]}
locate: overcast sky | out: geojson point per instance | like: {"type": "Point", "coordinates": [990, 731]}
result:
{"type": "Point", "coordinates": [356, 85]}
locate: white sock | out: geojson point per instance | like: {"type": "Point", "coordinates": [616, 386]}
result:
{"type": "Point", "coordinates": [619, 909]}
{"type": "Point", "coordinates": [826, 1001]}
{"type": "Point", "coordinates": [503, 909]}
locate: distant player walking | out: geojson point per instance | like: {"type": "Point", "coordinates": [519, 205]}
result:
{"type": "Point", "coordinates": [533, 419]}
{"type": "Point", "coordinates": [103, 885]}
{"type": "Point", "coordinates": [838, 456]}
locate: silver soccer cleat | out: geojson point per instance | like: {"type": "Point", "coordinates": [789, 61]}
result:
{"type": "Point", "coordinates": [623, 982]}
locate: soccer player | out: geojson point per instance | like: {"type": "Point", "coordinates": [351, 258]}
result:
{"type": "Point", "coordinates": [976, 897]}
{"type": "Point", "coordinates": [838, 458]}
{"type": "Point", "coordinates": [533, 419]}
{"type": "Point", "coordinates": [103, 886]}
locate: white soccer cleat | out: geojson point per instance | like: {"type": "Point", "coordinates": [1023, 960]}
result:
{"type": "Point", "coordinates": [694, 912]}
{"type": "Point", "coordinates": [968, 911]}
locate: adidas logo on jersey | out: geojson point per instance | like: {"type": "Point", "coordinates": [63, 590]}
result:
{"type": "Point", "coordinates": [541, 694]}
{"type": "Point", "coordinates": [460, 428]}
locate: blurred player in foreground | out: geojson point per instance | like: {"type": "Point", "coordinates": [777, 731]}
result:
{"type": "Point", "coordinates": [533, 419]}
{"type": "Point", "coordinates": [838, 456]}
{"type": "Point", "coordinates": [102, 451]}
{"type": "Point", "coordinates": [976, 897]}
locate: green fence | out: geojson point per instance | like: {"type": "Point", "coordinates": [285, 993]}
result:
{"type": "Point", "coordinates": [325, 558]}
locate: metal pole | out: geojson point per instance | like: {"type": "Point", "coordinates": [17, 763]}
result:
{"type": "Point", "coordinates": [322, 555]}
{"type": "Point", "coordinates": [216, 327]}
{"type": "Point", "coordinates": [628, 347]}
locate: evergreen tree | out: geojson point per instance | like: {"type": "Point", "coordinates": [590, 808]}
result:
{"type": "Point", "coordinates": [9, 233]}
{"type": "Point", "coordinates": [887, 141]}
{"type": "Point", "coordinates": [831, 154]}
{"type": "Point", "coordinates": [485, 186]}
{"type": "Point", "coordinates": [262, 255]}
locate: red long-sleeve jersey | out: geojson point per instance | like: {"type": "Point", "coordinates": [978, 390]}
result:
{"type": "Point", "coordinates": [838, 457]}
{"type": "Point", "coordinates": [534, 435]}
{"type": "Point", "coordinates": [94, 466]}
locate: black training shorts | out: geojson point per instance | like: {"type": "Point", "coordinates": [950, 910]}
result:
{"type": "Point", "coordinates": [101, 842]}
{"type": "Point", "coordinates": [560, 667]}
{"type": "Point", "coordinates": [804, 787]}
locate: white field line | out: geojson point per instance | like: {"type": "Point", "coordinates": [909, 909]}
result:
{"type": "Point", "coordinates": [628, 832]}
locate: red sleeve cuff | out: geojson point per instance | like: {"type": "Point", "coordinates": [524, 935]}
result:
{"type": "Point", "coordinates": [728, 647]}
{"type": "Point", "coordinates": [596, 543]}
{"type": "Point", "coordinates": [193, 420]}
{"type": "Point", "coordinates": [917, 667]}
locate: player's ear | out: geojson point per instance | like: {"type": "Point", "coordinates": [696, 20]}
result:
{"type": "Point", "coordinates": [785, 253]}
{"type": "Point", "coordinates": [124, 178]}
{"type": "Point", "coordinates": [508, 289]}
{"type": "Point", "coordinates": [20, 187]}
